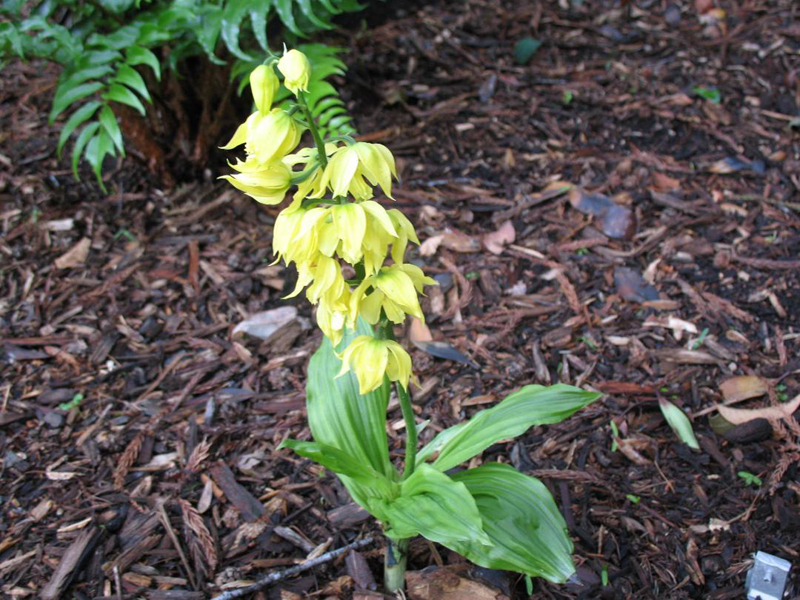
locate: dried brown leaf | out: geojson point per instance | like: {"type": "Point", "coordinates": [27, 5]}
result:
{"type": "Point", "coordinates": [742, 387]}
{"type": "Point", "coordinates": [738, 416]}
{"type": "Point", "coordinates": [75, 256]}
{"type": "Point", "coordinates": [497, 240]}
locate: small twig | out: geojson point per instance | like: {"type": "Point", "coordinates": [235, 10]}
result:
{"type": "Point", "coordinates": [162, 513]}
{"type": "Point", "coordinates": [291, 571]}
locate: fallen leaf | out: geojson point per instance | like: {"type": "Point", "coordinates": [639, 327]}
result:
{"type": "Point", "coordinates": [737, 416]}
{"type": "Point", "coordinates": [443, 583]}
{"type": "Point", "coordinates": [75, 256]}
{"type": "Point", "coordinates": [631, 285]}
{"type": "Point", "coordinates": [459, 241]}
{"type": "Point", "coordinates": [665, 183]}
{"type": "Point", "coordinates": [679, 423]}
{"type": "Point", "coordinates": [496, 241]}
{"type": "Point", "coordinates": [742, 387]}
{"type": "Point", "coordinates": [615, 221]}
{"type": "Point", "coordinates": [430, 246]}
{"type": "Point", "coordinates": [266, 324]}
{"type": "Point", "coordinates": [419, 332]}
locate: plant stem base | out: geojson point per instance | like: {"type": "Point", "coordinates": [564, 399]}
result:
{"type": "Point", "coordinates": [394, 565]}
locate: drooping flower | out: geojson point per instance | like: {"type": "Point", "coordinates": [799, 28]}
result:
{"type": "Point", "coordinates": [405, 232]}
{"type": "Point", "coordinates": [332, 315]}
{"type": "Point", "coordinates": [393, 289]}
{"type": "Point", "coordinates": [371, 358]}
{"type": "Point", "coordinates": [350, 165]}
{"type": "Point", "coordinates": [264, 84]}
{"type": "Point", "coordinates": [286, 242]}
{"type": "Point", "coordinates": [275, 136]}
{"type": "Point", "coordinates": [296, 70]}
{"type": "Point", "coordinates": [267, 185]}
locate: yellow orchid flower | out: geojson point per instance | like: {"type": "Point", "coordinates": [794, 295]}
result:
{"type": "Point", "coordinates": [371, 358]}
{"type": "Point", "coordinates": [296, 70]}
{"type": "Point", "coordinates": [405, 232]}
{"type": "Point", "coordinates": [332, 315]}
{"type": "Point", "coordinates": [264, 84]}
{"type": "Point", "coordinates": [244, 131]}
{"type": "Point", "coordinates": [394, 289]}
{"type": "Point", "coordinates": [286, 244]}
{"type": "Point", "coordinates": [350, 165]}
{"type": "Point", "coordinates": [267, 185]}
{"type": "Point", "coordinates": [275, 136]}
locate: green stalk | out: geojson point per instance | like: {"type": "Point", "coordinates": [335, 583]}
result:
{"type": "Point", "coordinates": [312, 126]}
{"type": "Point", "coordinates": [411, 430]}
{"type": "Point", "coordinates": [394, 565]}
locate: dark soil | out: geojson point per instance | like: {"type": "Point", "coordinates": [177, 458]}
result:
{"type": "Point", "coordinates": [138, 434]}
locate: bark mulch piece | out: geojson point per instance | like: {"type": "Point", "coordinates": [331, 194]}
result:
{"type": "Point", "coordinates": [621, 212]}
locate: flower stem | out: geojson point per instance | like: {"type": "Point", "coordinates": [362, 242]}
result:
{"type": "Point", "coordinates": [312, 126]}
{"type": "Point", "coordinates": [411, 430]}
{"type": "Point", "coordinates": [385, 332]}
{"type": "Point", "coordinates": [394, 564]}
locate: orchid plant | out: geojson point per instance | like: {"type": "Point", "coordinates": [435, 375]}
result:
{"type": "Point", "coordinates": [349, 252]}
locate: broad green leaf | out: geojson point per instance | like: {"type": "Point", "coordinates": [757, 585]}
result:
{"type": "Point", "coordinates": [435, 506]}
{"type": "Point", "coordinates": [529, 406]}
{"type": "Point", "coordinates": [521, 519]}
{"type": "Point", "coordinates": [10, 40]}
{"type": "Point", "coordinates": [285, 10]}
{"type": "Point", "coordinates": [84, 72]}
{"type": "Point", "coordinates": [121, 94]}
{"type": "Point", "coordinates": [80, 116]}
{"type": "Point", "coordinates": [209, 33]}
{"type": "Point", "coordinates": [116, 6]}
{"type": "Point", "coordinates": [136, 55]}
{"type": "Point", "coordinates": [232, 17]}
{"type": "Point", "coordinates": [109, 122]}
{"type": "Point", "coordinates": [97, 149]}
{"type": "Point", "coordinates": [679, 422]}
{"type": "Point", "coordinates": [100, 57]}
{"type": "Point", "coordinates": [130, 77]}
{"type": "Point", "coordinates": [338, 416]}
{"type": "Point", "coordinates": [80, 144]}
{"type": "Point", "coordinates": [73, 95]}
{"type": "Point", "coordinates": [342, 463]}
{"type": "Point", "coordinates": [258, 21]}
{"type": "Point", "coordinates": [308, 11]}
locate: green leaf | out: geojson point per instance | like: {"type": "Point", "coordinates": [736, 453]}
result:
{"type": "Point", "coordinates": [235, 12]}
{"type": "Point", "coordinates": [521, 519]}
{"type": "Point", "coordinates": [285, 10]}
{"type": "Point", "coordinates": [342, 463]}
{"type": "Point", "coordinates": [710, 94]}
{"type": "Point", "coordinates": [61, 102]}
{"type": "Point", "coordinates": [338, 416]}
{"type": "Point", "coordinates": [679, 422]}
{"type": "Point", "coordinates": [109, 122]}
{"type": "Point", "coordinates": [136, 55]}
{"type": "Point", "coordinates": [524, 50]}
{"type": "Point", "coordinates": [98, 148]}
{"type": "Point", "coordinates": [308, 11]}
{"type": "Point", "coordinates": [80, 116]}
{"type": "Point", "coordinates": [130, 77]}
{"type": "Point", "coordinates": [80, 144]}
{"type": "Point", "coordinates": [435, 506]}
{"type": "Point", "coordinates": [121, 94]}
{"type": "Point", "coordinates": [258, 22]}
{"type": "Point", "coordinates": [531, 405]}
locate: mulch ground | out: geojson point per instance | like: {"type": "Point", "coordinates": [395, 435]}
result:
{"type": "Point", "coordinates": [138, 433]}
